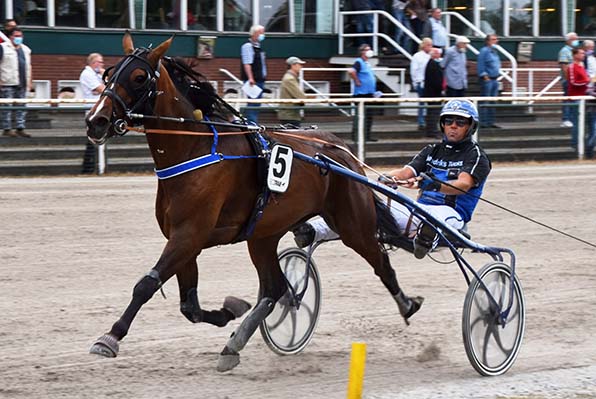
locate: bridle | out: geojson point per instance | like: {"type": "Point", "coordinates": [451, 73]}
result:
{"type": "Point", "coordinates": [143, 97]}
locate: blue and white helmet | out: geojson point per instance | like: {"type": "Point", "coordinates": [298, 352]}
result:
{"type": "Point", "coordinates": [464, 108]}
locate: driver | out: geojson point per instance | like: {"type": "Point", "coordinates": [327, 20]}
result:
{"type": "Point", "coordinates": [457, 160]}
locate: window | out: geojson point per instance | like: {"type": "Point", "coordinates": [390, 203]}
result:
{"type": "Point", "coordinates": [29, 12]}
{"type": "Point", "coordinates": [312, 16]}
{"type": "Point", "coordinates": [550, 17]}
{"type": "Point", "coordinates": [161, 15]}
{"type": "Point", "coordinates": [202, 14]}
{"type": "Point", "coordinates": [71, 12]}
{"type": "Point", "coordinates": [274, 15]}
{"type": "Point", "coordinates": [111, 14]}
{"type": "Point", "coordinates": [465, 8]}
{"type": "Point", "coordinates": [237, 15]}
{"type": "Point", "coordinates": [585, 18]}
{"type": "Point", "coordinates": [491, 16]}
{"type": "Point", "coordinates": [520, 18]}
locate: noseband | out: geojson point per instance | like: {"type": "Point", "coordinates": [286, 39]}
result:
{"type": "Point", "coordinates": [143, 97]}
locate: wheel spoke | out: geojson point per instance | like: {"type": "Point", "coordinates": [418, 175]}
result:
{"type": "Point", "coordinates": [284, 313]}
{"type": "Point", "coordinates": [498, 341]}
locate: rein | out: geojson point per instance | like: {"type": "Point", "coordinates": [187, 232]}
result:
{"type": "Point", "coordinates": [252, 130]}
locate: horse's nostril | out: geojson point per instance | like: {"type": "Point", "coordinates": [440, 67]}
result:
{"type": "Point", "coordinates": [97, 126]}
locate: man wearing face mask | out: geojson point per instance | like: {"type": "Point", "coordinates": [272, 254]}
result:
{"type": "Point", "coordinates": [566, 58]}
{"type": "Point", "coordinates": [15, 80]}
{"type": "Point", "coordinates": [454, 64]}
{"type": "Point", "coordinates": [254, 68]}
{"type": "Point", "coordinates": [92, 85]}
{"type": "Point", "coordinates": [365, 86]}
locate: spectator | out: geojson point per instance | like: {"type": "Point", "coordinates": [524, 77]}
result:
{"type": "Point", "coordinates": [439, 33]}
{"type": "Point", "coordinates": [590, 61]}
{"type": "Point", "coordinates": [290, 88]}
{"type": "Point", "coordinates": [489, 65]}
{"type": "Point", "coordinates": [364, 22]}
{"type": "Point", "coordinates": [417, 68]}
{"type": "Point", "coordinates": [254, 68]}
{"type": "Point", "coordinates": [92, 85]}
{"type": "Point", "coordinates": [578, 81]}
{"type": "Point", "coordinates": [15, 80]}
{"type": "Point", "coordinates": [456, 71]}
{"type": "Point", "coordinates": [365, 86]}
{"type": "Point", "coordinates": [398, 10]}
{"type": "Point", "coordinates": [591, 106]}
{"type": "Point", "coordinates": [418, 12]}
{"type": "Point", "coordinates": [433, 87]}
{"type": "Point", "coordinates": [66, 93]}
{"type": "Point", "coordinates": [566, 58]}
{"type": "Point", "coordinates": [9, 25]}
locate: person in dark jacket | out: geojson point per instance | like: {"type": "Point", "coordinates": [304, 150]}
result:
{"type": "Point", "coordinates": [433, 87]}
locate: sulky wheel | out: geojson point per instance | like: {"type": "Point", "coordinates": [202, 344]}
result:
{"type": "Point", "coordinates": [493, 346]}
{"type": "Point", "coordinates": [290, 326]}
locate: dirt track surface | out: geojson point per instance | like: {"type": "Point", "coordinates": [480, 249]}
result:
{"type": "Point", "coordinates": [73, 248]}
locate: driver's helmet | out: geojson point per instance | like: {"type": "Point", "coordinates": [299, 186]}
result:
{"type": "Point", "coordinates": [464, 108]}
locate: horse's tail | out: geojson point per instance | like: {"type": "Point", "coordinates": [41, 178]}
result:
{"type": "Point", "coordinates": [386, 225]}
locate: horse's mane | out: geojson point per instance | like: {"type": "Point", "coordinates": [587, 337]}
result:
{"type": "Point", "coordinates": [196, 88]}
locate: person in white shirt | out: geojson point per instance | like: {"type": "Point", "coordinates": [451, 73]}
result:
{"type": "Point", "coordinates": [15, 80]}
{"type": "Point", "coordinates": [417, 68]}
{"type": "Point", "coordinates": [440, 38]}
{"type": "Point", "coordinates": [91, 81]}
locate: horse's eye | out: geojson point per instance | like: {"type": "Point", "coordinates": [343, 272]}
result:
{"type": "Point", "coordinates": [140, 78]}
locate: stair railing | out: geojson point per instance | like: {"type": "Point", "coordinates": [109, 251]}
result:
{"type": "Point", "coordinates": [375, 34]}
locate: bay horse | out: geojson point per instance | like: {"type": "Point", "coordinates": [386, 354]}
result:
{"type": "Point", "coordinates": [211, 205]}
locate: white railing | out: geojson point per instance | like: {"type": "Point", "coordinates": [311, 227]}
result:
{"type": "Point", "coordinates": [305, 84]}
{"type": "Point", "coordinates": [375, 34]}
{"type": "Point", "coordinates": [361, 103]}
{"type": "Point", "coordinates": [530, 78]}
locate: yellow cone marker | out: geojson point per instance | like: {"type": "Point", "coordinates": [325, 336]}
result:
{"type": "Point", "coordinates": [357, 363]}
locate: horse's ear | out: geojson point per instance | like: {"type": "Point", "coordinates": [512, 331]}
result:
{"type": "Point", "coordinates": [127, 43]}
{"type": "Point", "coordinates": [159, 51]}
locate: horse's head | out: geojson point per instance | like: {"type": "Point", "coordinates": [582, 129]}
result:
{"type": "Point", "coordinates": [131, 87]}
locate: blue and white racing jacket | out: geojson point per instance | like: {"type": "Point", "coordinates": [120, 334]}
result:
{"type": "Point", "coordinates": [446, 161]}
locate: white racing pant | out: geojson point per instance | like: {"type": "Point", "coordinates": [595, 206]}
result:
{"type": "Point", "coordinates": [401, 214]}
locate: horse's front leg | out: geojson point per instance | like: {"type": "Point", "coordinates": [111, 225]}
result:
{"type": "Point", "coordinates": [189, 301]}
{"type": "Point", "coordinates": [176, 254]}
{"type": "Point", "coordinates": [263, 253]}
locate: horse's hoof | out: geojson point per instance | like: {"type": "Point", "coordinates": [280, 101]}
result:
{"type": "Point", "coordinates": [227, 362]}
{"type": "Point", "coordinates": [106, 345]}
{"type": "Point", "coordinates": [236, 306]}
{"type": "Point", "coordinates": [415, 304]}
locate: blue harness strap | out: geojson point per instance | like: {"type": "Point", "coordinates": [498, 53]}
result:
{"type": "Point", "coordinates": [205, 160]}
{"type": "Point", "coordinates": [187, 166]}
{"type": "Point", "coordinates": [262, 149]}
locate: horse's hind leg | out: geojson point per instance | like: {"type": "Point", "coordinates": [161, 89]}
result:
{"type": "Point", "coordinates": [189, 302]}
{"type": "Point", "coordinates": [273, 286]}
{"type": "Point", "coordinates": [364, 241]}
